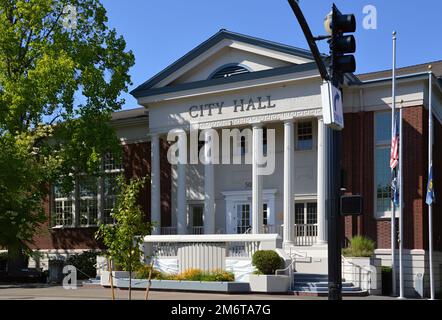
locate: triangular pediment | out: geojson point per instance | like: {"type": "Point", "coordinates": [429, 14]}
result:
{"type": "Point", "coordinates": [226, 49]}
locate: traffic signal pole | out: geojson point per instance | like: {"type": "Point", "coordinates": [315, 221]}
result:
{"type": "Point", "coordinates": [340, 64]}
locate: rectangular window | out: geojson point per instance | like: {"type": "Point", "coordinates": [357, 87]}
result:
{"type": "Point", "coordinates": [88, 190]}
{"type": "Point", "coordinates": [304, 136]}
{"type": "Point", "coordinates": [299, 213]}
{"type": "Point", "coordinates": [62, 208]}
{"type": "Point", "coordinates": [82, 206]}
{"type": "Point", "coordinates": [265, 214]}
{"type": "Point", "coordinates": [382, 170]}
{"type": "Point", "coordinates": [312, 213]}
{"type": "Point", "coordinates": [243, 218]}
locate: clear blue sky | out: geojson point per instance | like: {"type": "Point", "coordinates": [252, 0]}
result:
{"type": "Point", "coordinates": [159, 32]}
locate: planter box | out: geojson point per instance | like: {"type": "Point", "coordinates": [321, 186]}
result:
{"type": "Point", "coordinates": [269, 283]}
{"type": "Point", "coordinates": [364, 272]}
{"type": "Point", "coordinates": [104, 279]}
{"type": "Point", "coordinates": [175, 285]}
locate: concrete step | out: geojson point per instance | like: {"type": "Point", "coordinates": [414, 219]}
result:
{"type": "Point", "coordinates": [321, 284]}
{"type": "Point", "coordinates": [311, 284]}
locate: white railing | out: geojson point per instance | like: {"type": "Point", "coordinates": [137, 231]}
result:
{"type": "Point", "coordinates": [242, 248]}
{"type": "Point", "coordinates": [356, 274]}
{"type": "Point", "coordinates": [306, 234]}
{"type": "Point", "coordinates": [168, 230]}
{"type": "Point", "coordinates": [196, 230]}
{"type": "Point", "coordinates": [273, 229]}
{"type": "Point", "coordinates": [235, 245]}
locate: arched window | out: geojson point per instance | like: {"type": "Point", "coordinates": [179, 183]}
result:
{"type": "Point", "coordinates": [229, 71]}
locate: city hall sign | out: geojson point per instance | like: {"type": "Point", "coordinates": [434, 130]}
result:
{"type": "Point", "coordinates": [239, 105]}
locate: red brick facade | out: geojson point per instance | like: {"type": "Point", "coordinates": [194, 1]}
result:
{"type": "Point", "coordinates": [358, 164]}
{"type": "Point", "coordinates": [136, 163]}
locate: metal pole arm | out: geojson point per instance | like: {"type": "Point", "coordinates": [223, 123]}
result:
{"type": "Point", "coordinates": [310, 39]}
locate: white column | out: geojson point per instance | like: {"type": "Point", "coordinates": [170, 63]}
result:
{"type": "Point", "coordinates": [321, 182]}
{"type": "Point", "coordinates": [257, 145]}
{"type": "Point", "coordinates": [181, 186]}
{"type": "Point", "coordinates": [209, 186]}
{"type": "Point", "coordinates": [289, 174]}
{"type": "Point", "coordinates": [155, 194]}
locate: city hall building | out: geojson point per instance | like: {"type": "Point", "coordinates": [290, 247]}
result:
{"type": "Point", "coordinates": [234, 81]}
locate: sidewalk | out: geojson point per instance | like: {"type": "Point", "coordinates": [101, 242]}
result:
{"type": "Point", "coordinates": [45, 292]}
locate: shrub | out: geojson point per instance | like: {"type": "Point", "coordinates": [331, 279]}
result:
{"type": "Point", "coordinates": [199, 275]}
{"type": "Point", "coordinates": [267, 261]}
{"type": "Point", "coordinates": [85, 264]}
{"type": "Point", "coordinates": [360, 246]}
{"type": "Point", "coordinates": [143, 273]}
{"type": "Point", "coordinates": [219, 275]}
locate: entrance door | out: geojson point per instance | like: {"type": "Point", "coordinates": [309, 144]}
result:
{"type": "Point", "coordinates": [196, 222]}
{"type": "Point", "coordinates": [243, 221]}
{"type": "Point", "coordinates": [306, 223]}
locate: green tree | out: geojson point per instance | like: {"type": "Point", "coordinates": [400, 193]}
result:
{"type": "Point", "coordinates": [123, 239]}
{"type": "Point", "coordinates": [62, 72]}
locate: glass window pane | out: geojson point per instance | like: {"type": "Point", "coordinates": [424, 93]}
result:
{"type": "Point", "coordinates": [299, 213]}
{"type": "Point", "coordinates": [383, 127]}
{"type": "Point", "coordinates": [305, 136]}
{"type": "Point", "coordinates": [312, 213]}
{"type": "Point", "coordinates": [383, 180]}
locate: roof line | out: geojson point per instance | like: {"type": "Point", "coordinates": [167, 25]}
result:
{"type": "Point", "coordinates": [401, 68]}
{"type": "Point", "coordinates": [220, 35]}
{"type": "Point", "coordinates": [238, 78]}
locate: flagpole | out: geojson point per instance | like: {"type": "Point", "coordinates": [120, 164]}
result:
{"type": "Point", "coordinates": [393, 213]}
{"type": "Point", "coordinates": [430, 163]}
{"type": "Point", "coordinates": [401, 206]}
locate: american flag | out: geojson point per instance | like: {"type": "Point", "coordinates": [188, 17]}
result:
{"type": "Point", "coordinates": [394, 156]}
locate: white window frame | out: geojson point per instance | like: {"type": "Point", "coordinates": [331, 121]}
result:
{"type": "Point", "coordinates": [297, 135]}
{"type": "Point", "coordinates": [233, 198]}
{"type": "Point", "coordinates": [75, 198]}
{"type": "Point", "coordinates": [385, 144]}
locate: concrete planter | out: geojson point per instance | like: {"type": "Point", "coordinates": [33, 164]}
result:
{"type": "Point", "coordinates": [269, 283]}
{"type": "Point", "coordinates": [364, 272]}
{"type": "Point", "coordinates": [104, 279]}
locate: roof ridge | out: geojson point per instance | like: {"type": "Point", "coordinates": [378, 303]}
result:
{"type": "Point", "coordinates": [401, 68]}
{"type": "Point", "coordinates": [218, 36]}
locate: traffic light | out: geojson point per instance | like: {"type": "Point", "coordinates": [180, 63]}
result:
{"type": "Point", "coordinates": [337, 24]}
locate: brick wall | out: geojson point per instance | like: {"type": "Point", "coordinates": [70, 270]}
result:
{"type": "Point", "coordinates": [437, 180]}
{"type": "Point", "coordinates": [358, 164]}
{"type": "Point", "coordinates": [136, 163]}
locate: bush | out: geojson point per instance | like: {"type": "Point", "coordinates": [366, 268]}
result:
{"type": "Point", "coordinates": [85, 264]}
{"type": "Point", "coordinates": [199, 275]}
{"type": "Point", "coordinates": [267, 261]}
{"type": "Point", "coordinates": [360, 246]}
{"type": "Point", "coordinates": [143, 273]}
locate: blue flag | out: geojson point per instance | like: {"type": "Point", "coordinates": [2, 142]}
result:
{"type": "Point", "coordinates": [430, 188]}
{"type": "Point", "coordinates": [395, 187]}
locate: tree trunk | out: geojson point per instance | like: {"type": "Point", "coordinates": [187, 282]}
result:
{"type": "Point", "coordinates": [111, 279]}
{"type": "Point", "coordinates": [130, 276]}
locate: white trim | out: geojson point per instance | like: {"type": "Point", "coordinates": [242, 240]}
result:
{"type": "Point", "coordinates": [228, 43]}
{"type": "Point", "coordinates": [384, 145]}
{"type": "Point", "coordinates": [211, 238]}
{"type": "Point", "coordinates": [232, 198]}
{"type": "Point", "coordinates": [264, 82]}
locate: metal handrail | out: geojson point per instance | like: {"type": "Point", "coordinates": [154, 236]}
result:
{"type": "Point", "coordinates": [369, 272]}
{"type": "Point", "coordinates": [290, 269]}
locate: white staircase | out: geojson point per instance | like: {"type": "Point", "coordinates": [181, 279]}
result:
{"type": "Point", "coordinates": [310, 272]}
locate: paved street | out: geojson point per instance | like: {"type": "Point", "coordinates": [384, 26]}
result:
{"type": "Point", "coordinates": [44, 292]}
